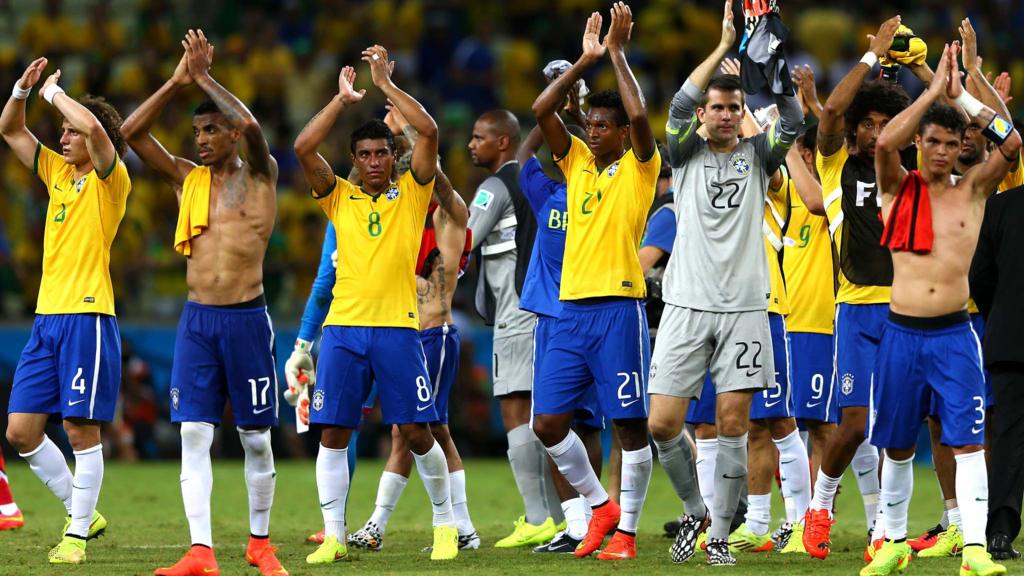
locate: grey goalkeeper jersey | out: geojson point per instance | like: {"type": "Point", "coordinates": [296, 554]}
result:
{"type": "Point", "coordinates": [718, 261]}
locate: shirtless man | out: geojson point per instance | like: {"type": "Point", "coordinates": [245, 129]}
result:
{"type": "Point", "coordinates": [225, 343]}
{"type": "Point", "coordinates": [928, 348]}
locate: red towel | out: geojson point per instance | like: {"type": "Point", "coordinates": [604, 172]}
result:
{"type": "Point", "coordinates": [909, 227]}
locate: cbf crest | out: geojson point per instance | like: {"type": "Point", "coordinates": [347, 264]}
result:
{"type": "Point", "coordinates": [318, 400]}
{"type": "Point", "coordinates": [392, 193]}
{"type": "Point", "coordinates": [80, 183]}
{"type": "Point", "coordinates": [847, 383]}
{"type": "Point", "coordinates": [613, 169]}
{"type": "Point", "coordinates": [174, 398]}
{"type": "Point", "coordinates": [741, 165]}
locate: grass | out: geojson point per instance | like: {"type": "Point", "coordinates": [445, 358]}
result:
{"type": "Point", "coordinates": [148, 527]}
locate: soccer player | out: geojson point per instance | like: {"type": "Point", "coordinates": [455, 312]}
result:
{"type": "Point", "coordinates": [854, 114]}
{"type": "Point", "coordinates": [716, 285]}
{"type": "Point", "coordinates": [71, 365]}
{"type": "Point", "coordinates": [498, 232]}
{"type": "Point", "coordinates": [224, 347]}
{"type": "Point", "coordinates": [10, 514]}
{"type": "Point", "coordinates": [443, 256]}
{"type": "Point", "coordinates": [601, 334]}
{"type": "Point", "coordinates": [946, 538]}
{"type": "Point", "coordinates": [928, 349]}
{"type": "Point", "coordinates": [546, 197]}
{"type": "Point", "coordinates": [371, 329]}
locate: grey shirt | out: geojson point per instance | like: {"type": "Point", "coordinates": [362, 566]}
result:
{"type": "Point", "coordinates": [718, 261]}
{"type": "Point", "coordinates": [492, 219]}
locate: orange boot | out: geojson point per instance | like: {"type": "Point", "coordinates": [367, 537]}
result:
{"type": "Point", "coordinates": [622, 546]}
{"type": "Point", "coordinates": [261, 555]}
{"type": "Point", "coordinates": [817, 533]}
{"type": "Point", "coordinates": [198, 561]}
{"type": "Point", "coordinates": [604, 519]}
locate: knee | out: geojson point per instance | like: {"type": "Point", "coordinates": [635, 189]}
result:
{"type": "Point", "coordinates": [334, 437]}
{"type": "Point", "coordinates": [82, 436]}
{"type": "Point", "coordinates": [256, 443]}
{"type": "Point", "coordinates": [418, 438]}
{"type": "Point", "coordinates": [22, 439]}
{"type": "Point", "coordinates": [196, 436]}
{"type": "Point", "coordinates": [663, 430]}
{"type": "Point", "coordinates": [732, 424]}
{"type": "Point", "coordinates": [781, 427]}
{"type": "Point", "coordinates": [441, 434]}
{"type": "Point", "coordinates": [548, 430]}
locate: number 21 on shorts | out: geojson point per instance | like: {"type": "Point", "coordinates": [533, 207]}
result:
{"type": "Point", "coordinates": [630, 383]}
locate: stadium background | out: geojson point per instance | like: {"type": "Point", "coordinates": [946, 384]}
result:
{"type": "Point", "coordinates": [458, 57]}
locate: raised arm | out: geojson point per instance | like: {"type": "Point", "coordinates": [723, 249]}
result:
{"type": "Point", "coordinates": [317, 170]}
{"type": "Point", "coordinates": [530, 145]}
{"type": "Point", "coordinates": [901, 129]}
{"type": "Point", "coordinates": [136, 129]}
{"type": "Point", "coordinates": [424, 151]}
{"type": "Point", "coordinates": [640, 134]}
{"type": "Point", "coordinates": [547, 105]}
{"type": "Point", "coordinates": [451, 204]}
{"type": "Point", "coordinates": [702, 74]}
{"type": "Point", "coordinates": [983, 90]}
{"type": "Point", "coordinates": [803, 77]}
{"type": "Point", "coordinates": [831, 126]}
{"type": "Point", "coordinates": [12, 120]}
{"type": "Point", "coordinates": [807, 186]}
{"type": "Point", "coordinates": [257, 151]}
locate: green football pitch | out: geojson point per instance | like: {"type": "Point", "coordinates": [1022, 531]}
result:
{"type": "Point", "coordinates": [148, 529]}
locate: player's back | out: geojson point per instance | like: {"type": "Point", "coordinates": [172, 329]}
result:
{"type": "Point", "coordinates": [547, 198]}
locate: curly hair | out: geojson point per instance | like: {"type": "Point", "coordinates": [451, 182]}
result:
{"type": "Point", "coordinates": [879, 96]}
{"type": "Point", "coordinates": [109, 118]}
{"type": "Point", "coordinates": [612, 100]}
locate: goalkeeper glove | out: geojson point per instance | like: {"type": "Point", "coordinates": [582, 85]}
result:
{"type": "Point", "coordinates": [299, 371]}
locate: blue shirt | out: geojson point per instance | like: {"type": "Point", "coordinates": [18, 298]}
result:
{"type": "Point", "coordinates": [320, 296]}
{"type": "Point", "coordinates": [544, 276]}
{"type": "Point", "coordinates": [661, 231]}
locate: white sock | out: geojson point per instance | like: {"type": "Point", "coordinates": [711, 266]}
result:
{"type": "Point", "coordinates": [792, 516]}
{"type": "Point", "coordinates": [571, 458]}
{"type": "Point", "coordinates": [85, 489]}
{"type": "Point", "coordinates": [575, 511]}
{"type": "Point", "coordinates": [759, 513]}
{"type": "Point", "coordinates": [955, 517]}
{"type": "Point", "coordinates": [865, 467]}
{"type": "Point", "coordinates": [332, 488]}
{"type": "Point", "coordinates": [48, 464]}
{"type": "Point", "coordinates": [433, 469]}
{"type": "Point", "coordinates": [795, 471]}
{"type": "Point", "coordinates": [878, 528]}
{"type": "Point", "coordinates": [636, 476]}
{"type": "Point", "coordinates": [707, 453]}
{"type": "Point", "coordinates": [897, 486]}
{"type": "Point", "coordinates": [260, 478]}
{"type": "Point", "coordinates": [947, 505]}
{"type": "Point", "coordinates": [389, 490]}
{"type": "Point", "coordinates": [197, 479]}
{"type": "Point", "coordinates": [460, 507]}
{"type": "Point", "coordinates": [824, 492]}
{"type": "Point", "coordinates": [972, 496]}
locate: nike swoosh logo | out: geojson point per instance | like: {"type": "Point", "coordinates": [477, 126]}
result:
{"type": "Point", "coordinates": [356, 198]}
{"type": "Point", "coordinates": [422, 408]}
{"type": "Point", "coordinates": [628, 404]}
{"type": "Point", "coordinates": [976, 430]}
{"type": "Point", "coordinates": [70, 403]}
{"type": "Point", "coordinates": [770, 404]}
{"type": "Point", "coordinates": [891, 504]}
{"type": "Point", "coordinates": [441, 503]}
{"type": "Point", "coordinates": [809, 405]}
{"type": "Point", "coordinates": [749, 373]}
{"type": "Point", "coordinates": [261, 410]}
{"type": "Point", "coordinates": [979, 499]}
{"type": "Point", "coordinates": [864, 473]}
{"type": "Point", "coordinates": [788, 461]}
{"type": "Point", "coordinates": [727, 477]}
{"type": "Point", "coordinates": [209, 570]}
{"type": "Point", "coordinates": [328, 503]}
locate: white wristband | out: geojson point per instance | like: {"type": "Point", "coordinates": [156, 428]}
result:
{"type": "Point", "coordinates": [51, 91]}
{"type": "Point", "coordinates": [303, 345]}
{"type": "Point", "coordinates": [870, 58]}
{"type": "Point", "coordinates": [20, 93]}
{"type": "Point", "coordinates": [969, 103]}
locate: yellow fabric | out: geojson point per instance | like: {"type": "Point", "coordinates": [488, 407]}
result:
{"type": "Point", "coordinates": [608, 211]}
{"type": "Point", "coordinates": [830, 169]}
{"type": "Point", "coordinates": [916, 52]}
{"type": "Point", "coordinates": [194, 211]}
{"type": "Point", "coordinates": [807, 263]}
{"type": "Point", "coordinates": [1013, 179]}
{"type": "Point", "coordinates": [81, 221]}
{"type": "Point", "coordinates": [776, 215]}
{"type": "Point", "coordinates": [376, 277]}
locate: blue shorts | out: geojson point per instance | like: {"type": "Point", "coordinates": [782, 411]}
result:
{"type": "Point", "coordinates": [858, 328]}
{"type": "Point", "coordinates": [588, 413]}
{"type": "Point", "coordinates": [924, 358]}
{"type": "Point", "coordinates": [811, 376]}
{"type": "Point", "coordinates": [352, 357]}
{"type": "Point", "coordinates": [441, 345]}
{"type": "Point", "coordinates": [777, 401]}
{"type": "Point", "coordinates": [70, 366]}
{"type": "Point", "coordinates": [602, 345]}
{"type": "Point", "coordinates": [978, 322]}
{"type": "Point", "coordinates": [223, 353]}
{"type": "Point", "coordinates": [702, 410]}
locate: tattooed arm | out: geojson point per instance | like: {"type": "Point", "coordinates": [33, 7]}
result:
{"type": "Point", "coordinates": [452, 205]}
{"type": "Point", "coordinates": [318, 172]}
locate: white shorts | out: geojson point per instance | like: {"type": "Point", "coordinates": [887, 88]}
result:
{"type": "Point", "coordinates": [512, 368]}
{"type": "Point", "coordinates": [735, 346]}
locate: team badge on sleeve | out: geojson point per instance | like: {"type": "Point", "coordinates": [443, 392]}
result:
{"type": "Point", "coordinates": [483, 199]}
{"type": "Point", "coordinates": [392, 193]}
{"type": "Point", "coordinates": [174, 398]}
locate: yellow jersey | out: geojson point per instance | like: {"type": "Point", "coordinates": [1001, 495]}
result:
{"type": "Point", "coordinates": [810, 276]}
{"type": "Point", "coordinates": [1013, 179]}
{"type": "Point", "coordinates": [608, 209]}
{"type": "Point", "coordinates": [81, 221]}
{"type": "Point", "coordinates": [776, 216]}
{"type": "Point", "coordinates": [375, 282]}
{"type": "Point", "coordinates": [862, 193]}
